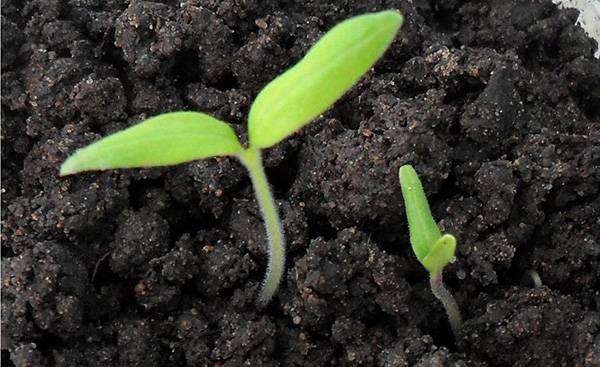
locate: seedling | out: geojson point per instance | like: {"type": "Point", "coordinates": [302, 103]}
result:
{"type": "Point", "coordinates": [433, 250]}
{"type": "Point", "coordinates": [284, 106]}
{"type": "Point", "coordinates": [533, 277]}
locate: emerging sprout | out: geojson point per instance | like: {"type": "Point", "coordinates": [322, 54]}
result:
{"type": "Point", "coordinates": [432, 249]}
{"type": "Point", "coordinates": [285, 105]}
{"type": "Point", "coordinates": [533, 277]}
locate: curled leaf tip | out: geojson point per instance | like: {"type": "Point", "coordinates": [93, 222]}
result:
{"type": "Point", "coordinates": [441, 254]}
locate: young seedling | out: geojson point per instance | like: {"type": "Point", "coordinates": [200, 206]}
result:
{"type": "Point", "coordinates": [284, 106]}
{"type": "Point", "coordinates": [433, 250]}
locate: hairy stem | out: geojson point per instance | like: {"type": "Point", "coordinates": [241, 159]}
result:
{"type": "Point", "coordinates": [251, 158]}
{"type": "Point", "coordinates": [443, 295]}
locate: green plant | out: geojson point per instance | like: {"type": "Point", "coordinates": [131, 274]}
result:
{"type": "Point", "coordinates": [433, 250]}
{"type": "Point", "coordinates": [285, 105]}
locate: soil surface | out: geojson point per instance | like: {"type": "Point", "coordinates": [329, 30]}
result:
{"type": "Point", "coordinates": [496, 104]}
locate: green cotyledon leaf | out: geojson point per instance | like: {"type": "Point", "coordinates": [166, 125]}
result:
{"type": "Point", "coordinates": [441, 254]}
{"type": "Point", "coordinates": [321, 77]}
{"type": "Point", "coordinates": [167, 139]}
{"type": "Point", "coordinates": [423, 230]}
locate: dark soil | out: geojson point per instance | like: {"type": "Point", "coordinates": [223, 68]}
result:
{"type": "Point", "coordinates": [496, 103]}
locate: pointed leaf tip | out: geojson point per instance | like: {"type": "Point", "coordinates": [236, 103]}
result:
{"type": "Point", "coordinates": [66, 168]}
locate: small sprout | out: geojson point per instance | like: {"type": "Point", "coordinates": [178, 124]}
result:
{"type": "Point", "coordinates": [284, 106]}
{"type": "Point", "coordinates": [533, 277]}
{"type": "Point", "coordinates": [432, 249]}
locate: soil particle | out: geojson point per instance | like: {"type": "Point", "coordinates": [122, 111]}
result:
{"type": "Point", "coordinates": [572, 250]}
{"type": "Point", "coordinates": [140, 237]}
{"type": "Point", "coordinates": [253, 341]}
{"type": "Point", "coordinates": [11, 39]}
{"type": "Point", "coordinates": [13, 92]}
{"type": "Point", "coordinates": [526, 321]}
{"type": "Point", "coordinates": [498, 100]}
{"type": "Point", "coordinates": [221, 104]}
{"type": "Point", "coordinates": [150, 98]}
{"type": "Point", "coordinates": [209, 184]}
{"type": "Point", "coordinates": [224, 266]}
{"type": "Point", "coordinates": [349, 265]}
{"type": "Point", "coordinates": [27, 355]}
{"type": "Point", "coordinates": [497, 188]}
{"type": "Point", "coordinates": [51, 208]}
{"type": "Point", "coordinates": [177, 266]}
{"type": "Point", "coordinates": [211, 40]}
{"type": "Point", "coordinates": [138, 344]}
{"type": "Point", "coordinates": [49, 283]}
{"type": "Point", "coordinates": [100, 100]}
{"type": "Point", "coordinates": [149, 35]}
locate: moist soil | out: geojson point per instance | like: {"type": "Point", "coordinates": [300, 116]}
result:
{"type": "Point", "coordinates": [496, 104]}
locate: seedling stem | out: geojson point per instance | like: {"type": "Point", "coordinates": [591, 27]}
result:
{"type": "Point", "coordinates": [251, 158]}
{"type": "Point", "coordinates": [443, 295]}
